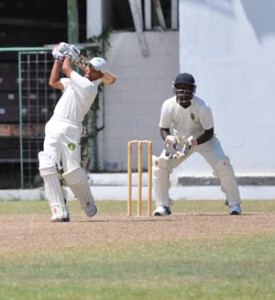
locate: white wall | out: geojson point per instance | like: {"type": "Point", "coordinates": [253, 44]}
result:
{"type": "Point", "coordinates": [94, 17]}
{"type": "Point", "coordinates": [229, 47]}
{"type": "Point", "coordinates": [133, 103]}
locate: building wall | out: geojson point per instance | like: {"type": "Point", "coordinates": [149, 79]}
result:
{"type": "Point", "coordinates": [229, 48]}
{"type": "Point", "coordinates": [132, 105]}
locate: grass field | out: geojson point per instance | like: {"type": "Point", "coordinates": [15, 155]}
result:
{"type": "Point", "coordinates": [197, 253]}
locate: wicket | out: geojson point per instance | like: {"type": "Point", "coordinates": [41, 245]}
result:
{"type": "Point", "coordinates": [130, 158]}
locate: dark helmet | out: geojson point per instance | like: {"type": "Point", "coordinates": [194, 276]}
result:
{"type": "Point", "coordinates": [184, 88]}
{"type": "Point", "coordinates": [184, 78]}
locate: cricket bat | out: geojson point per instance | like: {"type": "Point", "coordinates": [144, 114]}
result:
{"type": "Point", "coordinates": [108, 77]}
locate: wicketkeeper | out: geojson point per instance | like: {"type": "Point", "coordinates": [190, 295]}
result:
{"type": "Point", "coordinates": [192, 123]}
{"type": "Point", "coordinates": [63, 131]}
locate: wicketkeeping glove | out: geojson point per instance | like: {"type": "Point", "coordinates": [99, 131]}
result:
{"type": "Point", "coordinates": [191, 141]}
{"type": "Point", "coordinates": [171, 147]}
{"type": "Point", "coordinates": [185, 149]}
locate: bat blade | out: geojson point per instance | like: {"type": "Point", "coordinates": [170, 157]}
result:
{"type": "Point", "coordinates": [81, 62]}
{"type": "Point", "coordinates": [109, 78]}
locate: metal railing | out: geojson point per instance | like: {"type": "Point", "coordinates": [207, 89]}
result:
{"type": "Point", "coordinates": [36, 102]}
{"type": "Point", "coordinates": [35, 105]}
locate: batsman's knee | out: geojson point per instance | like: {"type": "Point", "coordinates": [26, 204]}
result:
{"type": "Point", "coordinates": [77, 180]}
{"type": "Point", "coordinates": [75, 177]}
{"type": "Point", "coordinates": [47, 165]}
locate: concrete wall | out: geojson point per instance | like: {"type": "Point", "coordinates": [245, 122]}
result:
{"type": "Point", "coordinates": [132, 106]}
{"type": "Point", "coordinates": [229, 48]}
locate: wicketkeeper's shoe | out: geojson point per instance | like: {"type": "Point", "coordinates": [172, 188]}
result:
{"type": "Point", "coordinates": [91, 210]}
{"type": "Point", "coordinates": [235, 209]}
{"type": "Point", "coordinates": [162, 211]}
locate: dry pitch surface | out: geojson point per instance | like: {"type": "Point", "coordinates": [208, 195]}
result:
{"type": "Point", "coordinates": [36, 232]}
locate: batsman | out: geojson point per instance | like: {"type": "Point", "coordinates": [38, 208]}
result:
{"type": "Point", "coordinates": [61, 149]}
{"type": "Point", "coordinates": [191, 121]}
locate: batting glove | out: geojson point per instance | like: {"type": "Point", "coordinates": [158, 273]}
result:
{"type": "Point", "coordinates": [73, 52]}
{"type": "Point", "coordinates": [59, 51]}
{"type": "Point", "coordinates": [63, 47]}
{"type": "Point", "coordinates": [58, 55]}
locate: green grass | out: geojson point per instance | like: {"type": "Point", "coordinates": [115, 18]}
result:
{"type": "Point", "coordinates": [230, 266]}
{"type": "Point", "coordinates": [120, 207]}
{"type": "Point", "coordinates": [208, 268]}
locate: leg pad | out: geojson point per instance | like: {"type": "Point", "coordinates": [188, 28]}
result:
{"type": "Point", "coordinates": [77, 180]}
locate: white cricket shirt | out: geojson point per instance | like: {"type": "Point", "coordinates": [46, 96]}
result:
{"type": "Point", "coordinates": [78, 96]}
{"type": "Point", "coordinates": [193, 120]}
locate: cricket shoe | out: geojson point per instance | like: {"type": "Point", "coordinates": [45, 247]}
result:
{"type": "Point", "coordinates": [162, 211]}
{"type": "Point", "coordinates": [61, 218]}
{"type": "Point", "coordinates": [91, 210]}
{"type": "Point", "coordinates": [235, 209]}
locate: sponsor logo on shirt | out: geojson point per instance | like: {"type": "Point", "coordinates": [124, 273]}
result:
{"type": "Point", "coordinates": [71, 146]}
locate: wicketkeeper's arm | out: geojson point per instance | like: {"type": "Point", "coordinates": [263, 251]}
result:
{"type": "Point", "coordinates": [206, 136]}
{"type": "Point", "coordinates": [164, 132]}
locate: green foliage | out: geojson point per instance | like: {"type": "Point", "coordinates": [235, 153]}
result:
{"type": "Point", "coordinates": [90, 123]}
{"type": "Point", "coordinates": [103, 43]}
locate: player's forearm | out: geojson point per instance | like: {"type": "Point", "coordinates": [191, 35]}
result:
{"type": "Point", "coordinates": [54, 81]}
{"type": "Point", "coordinates": [164, 132]}
{"type": "Point", "coordinates": [206, 136]}
{"type": "Point", "coordinates": [67, 67]}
